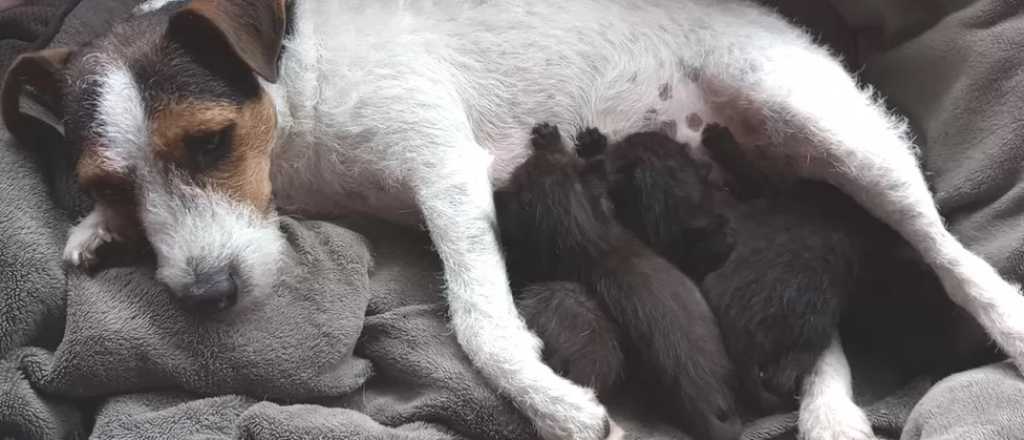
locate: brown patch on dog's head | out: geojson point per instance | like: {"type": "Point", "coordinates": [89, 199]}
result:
{"type": "Point", "coordinates": [221, 145]}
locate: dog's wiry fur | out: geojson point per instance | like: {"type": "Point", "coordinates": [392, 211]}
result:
{"type": "Point", "coordinates": [399, 108]}
{"type": "Point", "coordinates": [826, 399]}
{"type": "Point", "coordinates": [556, 224]}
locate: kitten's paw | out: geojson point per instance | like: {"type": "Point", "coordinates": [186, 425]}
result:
{"type": "Point", "coordinates": [590, 143]}
{"type": "Point", "coordinates": [545, 136]}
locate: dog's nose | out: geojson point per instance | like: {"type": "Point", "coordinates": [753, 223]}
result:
{"type": "Point", "coordinates": [212, 291]}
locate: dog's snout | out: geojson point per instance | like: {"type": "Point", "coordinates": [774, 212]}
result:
{"type": "Point", "coordinates": [212, 291]}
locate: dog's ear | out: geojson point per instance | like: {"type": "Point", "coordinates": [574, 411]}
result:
{"type": "Point", "coordinates": [251, 30]}
{"type": "Point", "coordinates": [33, 91]}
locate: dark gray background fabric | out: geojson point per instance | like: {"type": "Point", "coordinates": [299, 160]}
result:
{"type": "Point", "coordinates": [355, 344]}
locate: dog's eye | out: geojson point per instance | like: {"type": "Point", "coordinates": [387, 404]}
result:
{"type": "Point", "coordinates": [207, 150]}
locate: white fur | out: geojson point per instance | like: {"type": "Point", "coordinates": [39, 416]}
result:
{"type": "Point", "coordinates": [121, 124]}
{"type": "Point", "coordinates": [86, 237]}
{"type": "Point", "coordinates": [414, 108]}
{"type": "Point", "coordinates": [827, 409]}
{"type": "Point", "coordinates": [121, 121]}
{"type": "Point", "coordinates": [150, 6]}
{"type": "Point", "coordinates": [195, 231]}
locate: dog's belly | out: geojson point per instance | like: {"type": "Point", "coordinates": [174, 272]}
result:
{"type": "Point", "coordinates": [681, 109]}
{"type": "Point", "coordinates": [621, 68]}
{"type": "Point", "coordinates": [345, 176]}
{"type": "Point", "coordinates": [675, 108]}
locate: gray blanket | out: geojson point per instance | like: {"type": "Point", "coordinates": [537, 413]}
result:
{"type": "Point", "coordinates": [355, 343]}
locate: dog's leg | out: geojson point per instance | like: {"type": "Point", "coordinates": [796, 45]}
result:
{"type": "Point", "coordinates": [105, 224]}
{"type": "Point", "coordinates": [826, 128]}
{"type": "Point", "coordinates": [827, 410]}
{"type": "Point", "coordinates": [454, 194]}
{"type": "Point", "coordinates": [796, 98]}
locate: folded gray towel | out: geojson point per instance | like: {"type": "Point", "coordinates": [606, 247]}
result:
{"type": "Point", "coordinates": [982, 404]}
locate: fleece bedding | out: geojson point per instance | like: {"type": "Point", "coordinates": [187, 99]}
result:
{"type": "Point", "coordinates": [355, 344]}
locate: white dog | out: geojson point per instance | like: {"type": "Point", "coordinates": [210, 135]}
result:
{"type": "Point", "coordinates": [194, 115]}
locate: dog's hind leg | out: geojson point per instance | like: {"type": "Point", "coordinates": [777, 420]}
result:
{"type": "Point", "coordinates": [454, 194]}
{"type": "Point", "coordinates": [798, 98]}
{"type": "Point", "coordinates": [827, 410]}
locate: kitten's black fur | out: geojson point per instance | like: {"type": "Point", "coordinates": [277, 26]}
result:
{"type": "Point", "coordinates": [662, 194]}
{"type": "Point", "coordinates": [803, 251]}
{"type": "Point", "coordinates": [556, 225]}
{"type": "Point", "coordinates": [580, 341]}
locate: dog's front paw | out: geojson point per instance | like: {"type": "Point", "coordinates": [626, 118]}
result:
{"type": "Point", "coordinates": [576, 416]}
{"type": "Point", "coordinates": [834, 419]}
{"type": "Point", "coordinates": [83, 243]}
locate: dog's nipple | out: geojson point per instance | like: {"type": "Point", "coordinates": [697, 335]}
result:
{"type": "Point", "coordinates": [694, 122]}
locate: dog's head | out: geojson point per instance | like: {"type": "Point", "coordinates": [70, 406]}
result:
{"type": "Point", "coordinates": [169, 116]}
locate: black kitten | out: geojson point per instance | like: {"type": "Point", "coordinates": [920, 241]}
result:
{"type": "Point", "coordinates": [556, 225]}
{"type": "Point", "coordinates": [803, 251]}
{"type": "Point", "coordinates": [662, 195]}
{"type": "Point", "coordinates": [789, 268]}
